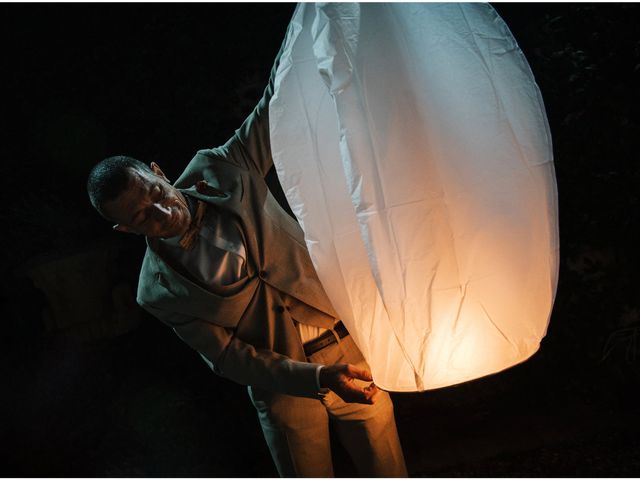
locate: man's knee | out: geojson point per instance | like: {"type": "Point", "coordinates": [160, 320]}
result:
{"type": "Point", "coordinates": [297, 432]}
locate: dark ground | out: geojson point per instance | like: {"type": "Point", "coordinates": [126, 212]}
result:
{"type": "Point", "coordinates": [85, 396]}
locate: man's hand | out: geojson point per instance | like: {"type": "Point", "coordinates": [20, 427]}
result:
{"type": "Point", "coordinates": [340, 378]}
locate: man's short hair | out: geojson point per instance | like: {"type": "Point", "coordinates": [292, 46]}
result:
{"type": "Point", "coordinates": [109, 178]}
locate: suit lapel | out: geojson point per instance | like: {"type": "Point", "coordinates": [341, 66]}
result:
{"type": "Point", "coordinates": [170, 291]}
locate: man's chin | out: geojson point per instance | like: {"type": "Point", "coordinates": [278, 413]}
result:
{"type": "Point", "coordinates": [177, 230]}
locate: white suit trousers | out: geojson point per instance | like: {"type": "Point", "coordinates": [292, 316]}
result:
{"type": "Point", "coordinates": [297, 429]}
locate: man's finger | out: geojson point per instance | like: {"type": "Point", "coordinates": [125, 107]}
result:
{"type": "Point", "coordinates": [359, 373]}
{"type": "Point", "coordinates": [372, 391]}
{"type": "Point", "coordinates": [353, 393]}
{"type": "Point", "coordinates": [372, 388]}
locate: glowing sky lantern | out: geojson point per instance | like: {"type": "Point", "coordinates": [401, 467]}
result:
{"type": "Point", "coordinates": [412, 144]}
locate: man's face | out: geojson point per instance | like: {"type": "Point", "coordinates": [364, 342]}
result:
{"type": "Point", "coordinates": [150, 206]}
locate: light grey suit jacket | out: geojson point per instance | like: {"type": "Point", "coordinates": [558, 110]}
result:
{"type": "Point", "coordinates": [249, 335]}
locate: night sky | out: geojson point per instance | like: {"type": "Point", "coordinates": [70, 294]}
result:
{"type": "Point", "coordinates": [86, 395]}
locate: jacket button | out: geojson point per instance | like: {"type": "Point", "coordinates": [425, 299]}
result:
{"type": "Point", "coordinates": [263, 274]}
{"type": "Point", "coordinates": [279, 309]}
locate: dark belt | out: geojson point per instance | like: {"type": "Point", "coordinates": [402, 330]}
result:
{"type": "Point", "coordinates": [327, 338]}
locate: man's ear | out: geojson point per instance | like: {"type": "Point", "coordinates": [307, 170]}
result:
{"type": "Point", "coordinates": [122, 228]}
{"type": "Point", "coordinates": [156, 169]}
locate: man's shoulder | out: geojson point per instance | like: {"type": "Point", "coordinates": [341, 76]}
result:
{"type": "Point", "coordinates": [217, 161]}
{"type": "Point", "coordinates": [217, 153]}
{"type": "Point", "coordinates": [206, 158]}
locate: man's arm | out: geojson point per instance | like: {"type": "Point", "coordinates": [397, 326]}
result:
{"type": "Point", "coordinates": [236, 360]}
{"type": "Point", "coordinates": [251, 144]}
{"type": "Point", "coordinates": [240, 362]}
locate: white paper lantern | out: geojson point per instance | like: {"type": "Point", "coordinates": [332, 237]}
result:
{"type": "Point", "coordinates": [412, 144]}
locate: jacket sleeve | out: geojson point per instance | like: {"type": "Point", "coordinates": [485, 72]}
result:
{"type": "Point", "coordinates": [240, 362]}
{"type": "Point", "coordinates": [250, 146]}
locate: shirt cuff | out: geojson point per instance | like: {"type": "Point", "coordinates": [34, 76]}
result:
{"type": "Point", "coordinates": [318, 368]}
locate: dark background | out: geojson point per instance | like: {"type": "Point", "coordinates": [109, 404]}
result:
{"type": "Point", "coordinates": [91, 386]}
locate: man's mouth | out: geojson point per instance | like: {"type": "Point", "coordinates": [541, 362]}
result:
{"type": "Point", "coordinates": [176, 218]}
{"type": "Point", "coordinates": [173, 221]}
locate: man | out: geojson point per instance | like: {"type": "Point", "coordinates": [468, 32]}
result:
{"type": "Point", "coordinates": [227, 268]}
